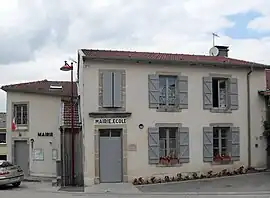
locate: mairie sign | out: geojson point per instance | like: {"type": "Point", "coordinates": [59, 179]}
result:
{"type": "Point", "coordinates": [112, 121]}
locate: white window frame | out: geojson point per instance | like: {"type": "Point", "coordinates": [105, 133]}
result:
{"type": "Point", "coordinates": [15, 109]}
{"type": "Point", "coordinates": [167, 140]}
{"type": "Point", "coordinates": [220, 139]}
{"type": "Point", "coordinates": [167, 89]}
{"type": "Point", "coordinates": [226, 92]}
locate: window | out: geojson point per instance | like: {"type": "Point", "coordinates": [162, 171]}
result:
{"type": "Point", "coordinates": [219, 87]}
{"type": "Point", "coordinates": [220, 141]}
{"type": "Point", "coordinates": [3, 138]}
{"type": "Point", "coordinates": [167, 87]}
{"type": "Point", "coordinates": [21, 114]}
{"type": "Point", "coordinates": [112, 89]}
{"type": "Point", "coordinates": [167, 142]}
{"type": "Point", "coordinates": [3, 157]}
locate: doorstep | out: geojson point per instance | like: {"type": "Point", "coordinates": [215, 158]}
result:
{"type": "Point", "coordinates": [38, 179]}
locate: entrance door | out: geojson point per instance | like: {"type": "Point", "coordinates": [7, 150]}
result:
{"type": "Point", "coordinates": [110, 155]}
{"type": "Point", "coordinates": [21, 155]}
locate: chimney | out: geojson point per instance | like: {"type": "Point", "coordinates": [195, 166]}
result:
{"type": "Point", "coordinates": [223, 50]}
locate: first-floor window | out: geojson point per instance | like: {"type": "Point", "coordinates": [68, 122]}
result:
{"type": "Point", "coordinates": [168, 143]}
{"type": "Point", "coordinates": [21, 114]}
{"type": "Point", "coordinates": [3, 138]}
{"type": "Point", "coordinates": [220, 142]}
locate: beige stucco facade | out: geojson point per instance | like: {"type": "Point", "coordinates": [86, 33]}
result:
{"type": "Point", "coordinates": [195, 117]}
{"type": "Point", "coordinates": [43, 116]}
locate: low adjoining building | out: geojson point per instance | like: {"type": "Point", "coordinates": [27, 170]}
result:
{"type": "Point", "coordinates": [39, 109]}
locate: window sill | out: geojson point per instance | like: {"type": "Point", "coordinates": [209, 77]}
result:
{"type": "Point", "coordinates": [169, 165]}
{"type": "Point", "coordinates": [222, 162]}
{"type": "Point", "coordinates": [168, 109]}
{"type": "Point", "coordinates": [3, 143]}
{"type": "Point", "coordinates": [219, 110]}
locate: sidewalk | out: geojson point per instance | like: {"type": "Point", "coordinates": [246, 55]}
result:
{"type": "Point", "coordinates": [38, 179]}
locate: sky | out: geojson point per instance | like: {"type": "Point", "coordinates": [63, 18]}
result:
{"type": "Point", "coordinates": [37, 36]}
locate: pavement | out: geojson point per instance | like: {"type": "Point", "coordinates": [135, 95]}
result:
{"type": "Point", "coordinates": [252, 185]}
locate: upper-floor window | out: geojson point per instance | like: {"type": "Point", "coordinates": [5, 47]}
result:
{"type": "Point", "coordinates": [111, 89]}
{"type": "Point", "coordinates": [3, 138]}
{"type": "Point", "coordinates": [167, 86]}
{"type": "Point", "coordinates": [220, 94]}
{"type": "Point", "coordinates": [168, 92]}
{"type": "Point", "coordinates": [20, 113]}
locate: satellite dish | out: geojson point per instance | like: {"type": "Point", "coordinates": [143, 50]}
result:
{"type": "Point", "coordinates": [213, 51]}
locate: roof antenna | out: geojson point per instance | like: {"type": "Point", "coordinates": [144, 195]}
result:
{"type": "Point", "coordinates": [214, 36]}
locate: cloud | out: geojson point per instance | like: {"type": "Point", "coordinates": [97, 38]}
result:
{"type": "Point", "coordinates": [37, 36]}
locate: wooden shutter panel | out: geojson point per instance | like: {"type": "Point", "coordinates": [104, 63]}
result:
{"type": "Point", "coordinates": [183, 92]}
{"type": "Point", "coordinates": [235, 143]}
{"type": "Point", "coordinates": [153, 90]}
{"type": "Point", "coordinates": [207, 93]}
{"type": "Point", "coordinates": [183, 144]}
{"type": "Point", "coordinates": [117, 94]}
{"type": "Point", "coordinates": [233, 94]}
{"type": "Point", "coordinates": [153, 145]}
{"type": "Point", "coordinates": [207, 144]}
{"type": "Point", "coordinates": [107, 97]}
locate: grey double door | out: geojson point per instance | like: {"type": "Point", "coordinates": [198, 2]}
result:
{"type": "Point", "coordinates": [110, 152]}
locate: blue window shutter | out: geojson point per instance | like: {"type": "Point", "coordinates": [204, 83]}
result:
{"type": "Point", "coordinates": [235, 143]}
{"type": "Point", "coordinates": [117, 102]}
{"type": "Point", "coordinates": [233, 94]}
{"type": "Point", "coordinates": [183, 92]}
{"type": "Point", "coordinates": [153, 145]}
{"type": "Point", "coordinates": [107, 97]}
{"type": "Point", "coordinates": [153, 90]}
{"type": "Point", "coordinates": [207, 144]}
{"type": "Point", "coordinates": [207, 93]}
{"type": "Point", "coordinates": [183, 143]}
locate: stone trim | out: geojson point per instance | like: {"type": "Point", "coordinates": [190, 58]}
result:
{"type": "Point", "coordinates": [123, 90]}
{"type": "Point", "coordinates": [109, 114]}
{"type": "Point", "coordinates": [124, 149]}
{"type": "Point", "coordinates": [28, 120]}
{"type": "Point", "coordinates": [178, 125]}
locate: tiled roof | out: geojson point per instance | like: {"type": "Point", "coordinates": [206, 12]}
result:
{"type": "Point", "coordinates": [2, 120]}
{"type": "Point", "coordinates": [42, 87]}
{"type": "Point", "coordinates": [67, 115]}
{"type": "Point", "coordinates": [165, 57]}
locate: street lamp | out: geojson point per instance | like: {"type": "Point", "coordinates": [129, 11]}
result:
{"type": "Point", "coordinates": [68, 67]}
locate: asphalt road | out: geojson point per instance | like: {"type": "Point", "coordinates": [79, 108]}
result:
{"type": "Point", "coordinates": [248, 186]}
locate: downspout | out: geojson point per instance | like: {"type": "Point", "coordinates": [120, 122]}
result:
{"type": "Point", "coordinates": [249, 116]}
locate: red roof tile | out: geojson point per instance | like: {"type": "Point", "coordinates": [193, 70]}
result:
{"type": "Point", "coordinates": [43, 87]}
{"type": "Point", "coordinates": [167, 57]}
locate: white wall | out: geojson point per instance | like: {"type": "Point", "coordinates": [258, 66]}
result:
{"type": "Point", "coordinates": [194, 117]}
{"type": "Point", "coordinates": [44, 112]}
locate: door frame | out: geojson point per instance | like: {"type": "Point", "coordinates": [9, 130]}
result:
{"type": "Point", "coordinates": [13, 150]}
{"type": "Point", "coordinates": [97, 153]}
{"type": "Point", "coordinates": [121, 142]}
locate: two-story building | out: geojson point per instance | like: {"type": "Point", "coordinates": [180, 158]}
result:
{"type": "Point", "coordinates": [3, 141]}
{"type": "Point", "coordinates": [147, 114]}
{"type": "Point", "coordinates": [37, 110]}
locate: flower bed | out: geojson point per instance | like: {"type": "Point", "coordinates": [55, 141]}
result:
{"type": "Point", "coordinates": [194, 176]}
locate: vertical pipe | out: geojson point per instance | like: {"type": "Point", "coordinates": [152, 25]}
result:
{"type": "Point", "coordinates": [72, 130]}
{"type": "Point", "coordinates": [249, 116]}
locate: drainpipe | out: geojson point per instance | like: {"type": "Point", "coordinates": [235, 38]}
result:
{"type": "Point", "coordinates": [249, 116]}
